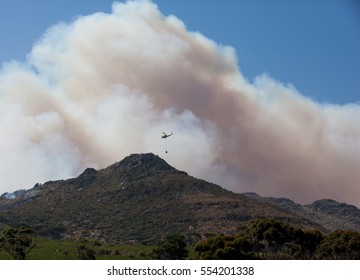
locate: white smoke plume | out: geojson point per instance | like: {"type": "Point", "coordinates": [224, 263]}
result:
{"type": "Point", "coordinates": [106, 85]}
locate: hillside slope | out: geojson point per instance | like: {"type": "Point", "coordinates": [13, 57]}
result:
{"type": "Point", "coordinates": [328, 213]}
{"type": "Point", "coordinates": [137, 199]}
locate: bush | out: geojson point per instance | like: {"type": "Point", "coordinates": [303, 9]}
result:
{"type": "Point", "coordinates": [340, 244]}
{"type": "Point", "coordinates": [173, 247]}
{"type": "Point", "coordinates": [18, 242]}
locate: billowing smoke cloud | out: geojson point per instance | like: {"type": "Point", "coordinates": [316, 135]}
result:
{"type": "Point", "coordinates": [107, 85]}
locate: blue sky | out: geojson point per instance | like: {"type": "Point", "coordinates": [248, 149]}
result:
{"type": "Point", "coordinates": [313, 45]}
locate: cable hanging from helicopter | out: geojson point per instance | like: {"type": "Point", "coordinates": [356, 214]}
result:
{"type": "Point", "coordinates": [165, 136]}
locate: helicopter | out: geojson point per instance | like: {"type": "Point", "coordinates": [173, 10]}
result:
{"type": "Point", "coordinates": [164, 136]}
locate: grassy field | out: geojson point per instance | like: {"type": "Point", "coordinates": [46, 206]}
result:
{"type": "Point", "coordinates": [49, 249]}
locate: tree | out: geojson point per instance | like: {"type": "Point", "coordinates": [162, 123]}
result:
{"type": "Point", "coordinates": [18, 242]}
{"type": "Point", "coordinates": [311, 242]}
{"type": "Point", "coordinates": [280, 240]}
{"type": "Point", "coordinates": [225, 247]}
{"type": "Point", "coordinates": [340, 244]}
{"type": "Point", "coordinates": [173, 247]}
{"type": "Point", "coordinates": [86, 250]}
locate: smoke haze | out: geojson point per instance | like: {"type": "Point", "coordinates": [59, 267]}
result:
{"type": "Point", "coordinates": [106, 85]}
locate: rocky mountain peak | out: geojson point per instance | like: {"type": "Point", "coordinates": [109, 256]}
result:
{"type": "Point", "coordinates": [147, 161]}
{"type": "Point", "coordinates": [88, 172]}
{"type": "Point", "coordinates": [330, 206]}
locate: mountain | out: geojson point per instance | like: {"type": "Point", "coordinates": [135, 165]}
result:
{"type": "Point", "coordinates": [328, 213]}
{"type": "Point", "coordinates": [138, 199]}
{"type": "Point", "coordinates": [13, 195]}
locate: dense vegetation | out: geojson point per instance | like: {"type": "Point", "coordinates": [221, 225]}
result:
{"type": "Point", "coordinates": [259, 239]}
{"type": "Point", "coordinates": [270, 239]}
